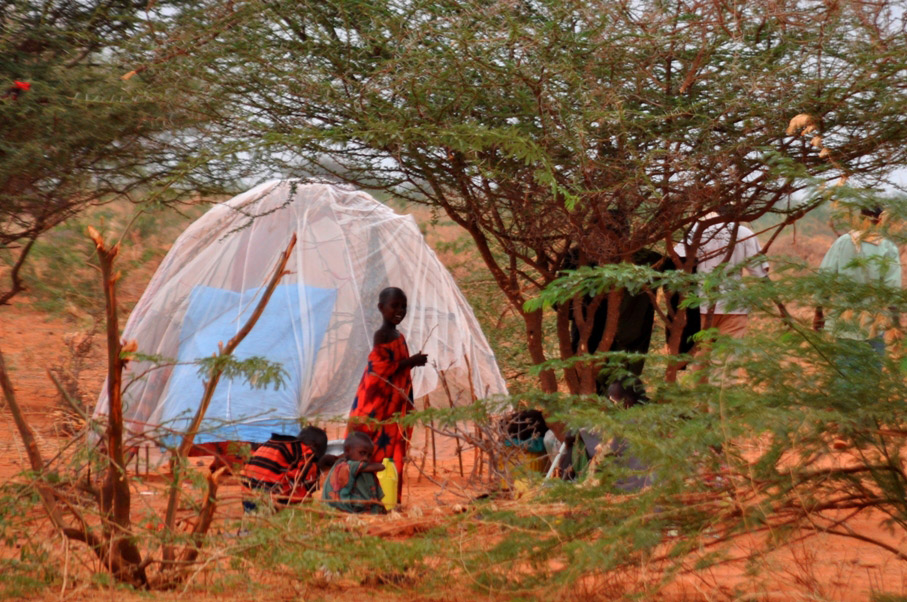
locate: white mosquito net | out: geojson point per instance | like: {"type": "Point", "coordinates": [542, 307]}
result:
{"type": "Point", "coordinates": [318, 324]}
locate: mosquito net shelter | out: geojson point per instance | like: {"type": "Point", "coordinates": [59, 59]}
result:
{"type": "Point", "coordinates": [318, 324]}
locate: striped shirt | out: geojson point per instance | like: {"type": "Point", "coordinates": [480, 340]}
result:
{"type": "Point", "coordinates": [283, 466]}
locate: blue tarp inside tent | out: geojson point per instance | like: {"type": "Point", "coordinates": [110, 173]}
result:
{"type": "Point", "coordinates": [289, 331]}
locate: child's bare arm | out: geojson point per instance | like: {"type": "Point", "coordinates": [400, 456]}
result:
{"type": "Point", "coordinates": [413, 361]}
{"type": "Point", "coordinates": [372, 467]}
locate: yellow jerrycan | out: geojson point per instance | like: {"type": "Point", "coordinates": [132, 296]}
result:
{"type": "Point", "coordinates": [387, 478]}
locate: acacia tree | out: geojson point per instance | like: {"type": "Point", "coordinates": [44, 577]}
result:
{"type": "Point", "coordinates": [558, 132]}
{"type": "Point", "coordinates": [75, 133]}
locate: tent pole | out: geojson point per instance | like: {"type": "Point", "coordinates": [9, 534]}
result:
{"type": "Point", "coordinates": [434, 451]}
{"type": "Point", "coordinates": [426, 405]}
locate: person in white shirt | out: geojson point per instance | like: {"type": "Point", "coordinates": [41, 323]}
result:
{"type": "Point", "coordinates": [727, 245]}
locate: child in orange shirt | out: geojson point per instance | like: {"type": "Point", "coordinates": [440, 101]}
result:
{"type": "Point", "coordinates": [386, 388]}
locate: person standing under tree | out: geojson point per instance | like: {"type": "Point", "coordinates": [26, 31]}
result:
{"type": "Point", "coordinates": [862, 256]}
{"type": "Point", "coordinates": [386, 389]}
{"type": "Point", "coordinates": [726, 245]}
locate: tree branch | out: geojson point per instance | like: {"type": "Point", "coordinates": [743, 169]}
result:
{"type": "Point", "coordinates": [17, 285]}
{"type": "Point", "coordinates": [210, 386]}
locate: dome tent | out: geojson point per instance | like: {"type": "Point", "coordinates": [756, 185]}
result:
{"type": "Point", "coordinates": [318, 323]}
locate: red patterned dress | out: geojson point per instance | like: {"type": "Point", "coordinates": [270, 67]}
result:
{"type": "Point", "coordinates": [382, 393]}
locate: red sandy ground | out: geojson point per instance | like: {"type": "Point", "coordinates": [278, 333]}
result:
{"type": "Point", "coordinates": [31, 342]}
{"type": "Point", "coordinates": [818, 568]}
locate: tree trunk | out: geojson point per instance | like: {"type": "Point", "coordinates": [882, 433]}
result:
{"type": "Point", "coordinates": [675, 329]}
{"type": "Point", "coordinates": [535, 343]}
{"type": "Point", "coordinates": [16, 281]}
{"type": "Point", "coordinates": [508, 283]}
{"type": "Point", "coordinates": [125, 559]}
{"type": "Point", "coordinates": [564, 339]}
{"type": "Point", "coordinates": [613, 319]}
{"type": "Point", "coordinates": [585, 322]}
{"type": "Point", "coordinates": [31, 446]}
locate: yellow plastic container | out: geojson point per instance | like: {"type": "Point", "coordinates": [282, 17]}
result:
{"type": "Point", "coordinates": [387, 478]}
{"type": "Point", "coordinates": [523, 466]}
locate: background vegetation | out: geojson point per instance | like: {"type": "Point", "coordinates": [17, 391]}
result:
{"type": "Point", "coordinates": [538, 129]}
{"type": "Point", "coordinates": [558, 133]}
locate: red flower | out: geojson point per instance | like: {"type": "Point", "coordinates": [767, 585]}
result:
{"type": "Point", "coordinates": [24, 86]}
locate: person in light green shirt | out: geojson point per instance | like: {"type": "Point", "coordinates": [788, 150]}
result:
{"type": "Point", "coordinates": [864, 257]}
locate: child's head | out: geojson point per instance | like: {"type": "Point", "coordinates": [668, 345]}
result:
{"type": "Point", "coordinates": [315, 438]}
{"type": "Point", "coordinates": [358, 446]}
{"type": "Point", "coordinates": [392, 304]}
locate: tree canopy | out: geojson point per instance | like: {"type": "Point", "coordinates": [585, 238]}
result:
{"type": "Point", "coordinates": [545, 128]}
{"type": "Point", "coordinates": [73, 132]}
{"type": "Point", "coordinates": [558, 134]}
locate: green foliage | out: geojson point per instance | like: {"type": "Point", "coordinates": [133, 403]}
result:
{"type": "Point", "coordinates": [22, 578]}
{"type": "Point", "coordinates": [62, 273]}
{"type": "Point", "coordinates": [564, 132]}
{"type": "Point", "coordinates": [527, 124]}
{"type": "Point", "coordinates": [489, 304]}
{"type": "Point", "coordinates": [769, 413]}
{"type": "Point", "coordinates": [776, 436]}
{"type": "Point", "coordinates": [83, 135]}
{"type": "Point", "coordinates": [30, 570]}
{"type": "Point", "coordinates": [589, 281]}
{"type": "Point", "coordinates": [257, 372]}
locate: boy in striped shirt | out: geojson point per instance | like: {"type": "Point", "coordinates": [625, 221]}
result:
{"type": "Point", "coordinates": [285, 466]}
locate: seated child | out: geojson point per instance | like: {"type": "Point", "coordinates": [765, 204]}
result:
{"type": "Point", "coordinates": [285, 466]}
{"type": "Point", "coordinates": [351, 485]}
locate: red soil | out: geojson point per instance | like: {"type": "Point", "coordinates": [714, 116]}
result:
{"type": "Point", "coordinates": [821, 567]}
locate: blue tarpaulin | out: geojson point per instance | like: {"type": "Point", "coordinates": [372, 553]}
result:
{"type": "Point", "coordinates": [289, 331]}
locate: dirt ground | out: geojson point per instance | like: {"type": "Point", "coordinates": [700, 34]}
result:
{"type": "Point", "coordinates": [822, 567]}
{"type": "Point", "coordinates": [33, 342]}
{"type": "Point", "coordinates": [817, 568]}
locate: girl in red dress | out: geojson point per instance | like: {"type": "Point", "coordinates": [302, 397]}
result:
{"type": "Point", "coordinates": [386, 388]}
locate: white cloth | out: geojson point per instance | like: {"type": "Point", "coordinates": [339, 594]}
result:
{"type": "Point", "coordinates": [349, 248]}
{"type": "Point", "coordinates": [713, 251]}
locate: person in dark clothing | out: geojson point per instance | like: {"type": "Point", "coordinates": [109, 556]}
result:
{"type": "Point", "coordinates": [636, 317]}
